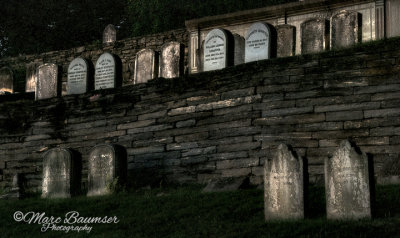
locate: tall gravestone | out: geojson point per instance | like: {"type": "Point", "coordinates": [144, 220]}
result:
{"type": "Point", "coordinates": [239, 49]}
{"type": "Point", "coordinates": [47, 84]}
{"type": "Point", "coordinates": [6, 80]}
{"type": "Point", "coordinates": [216, 50]}
{"type": "Point", "coordinates": [347, 184]}
{"type": "Point", "coordinates": [258, 42]}
{"type": "Point", "coordinates": [31, 77]}
{"type": "Point", "coordinates": [314, 36]}
{"type": "Point", "coordinates": [145, 66]}
{"type": "Point", "coordinates": [286, 45]}
{"type": "Point", "coordinates": [105, 72]}
{"type": "Point", "coordinates": [59, 174]}
{"type": "Point", "coordinates": [77, 76]}
{"type": "Point", "coordinates": [284, 185]}
{"type": "Point", "coordinates": [107, 167]}
{"type": "Point", "coordinates": [345, 29]}
{"type": "Point", "coordinates": [109, 34]}
{"type": "Point", "coordinates": [171, 60]}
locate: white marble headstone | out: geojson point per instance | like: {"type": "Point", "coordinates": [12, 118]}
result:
{"type": "Point", "coordinates": [215, 50]}
{"type": "Point", "coordinates": [77, 76]}
{"type": "Point", "coordinates": [258, 42]}
{"type": "Point", "coordinates": [105, 72]}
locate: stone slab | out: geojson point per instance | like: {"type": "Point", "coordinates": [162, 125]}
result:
{"type": "Point", "coordinates": [345, 29]}
{"type": "Point", "coordinates": [58, 174]}
{"type": "Point", "coordinates": [284, 185]}
{"type": "Point", "coordinates": [31, 76]}
{"type": "Point", "coordinates": [314, 36]}
{"type": "Point", "coordinates": [225, 184]}
{"type": "Point", "coordinates": [105, 72]}
{"type": "Point", "coordinates": [238, 49]}
{"type": "Point", "coordinates": [109, 34]}
{"type": "Point", "coordinates": [286, 45]}
{"type": "Point", "coordinates": [171, 60]}
{"type": "Point", "coordinates": [6, 80]}
{"type": "Point", "coordinates": [215, 50]}
{"type": "Point", "coordinates": [347, 184]}
{"type": "Point", "coordinates": [146, 64]}
{"type": "Point", "coordinates": [77, 82]}
{"type": "Point", "coordinates": [258, 42]}
{"type": "Point", "coordinates": [48, 81]}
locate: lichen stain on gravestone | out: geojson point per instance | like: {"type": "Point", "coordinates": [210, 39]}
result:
{"type": "Point", "coordinates": [284, 185]}
{"type": "Point", "coordinates": [314, 35]}
{"type": "Point", "coordinates": [286, 38]}
{"type": "Point", "coordinates": [47, 84]}
{"type": "Point", "coordinates": [347, 183]}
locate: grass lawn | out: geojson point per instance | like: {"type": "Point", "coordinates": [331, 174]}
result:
{"type": "Point", "coordinates": [186, 212]}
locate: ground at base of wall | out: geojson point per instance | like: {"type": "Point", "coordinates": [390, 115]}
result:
{"type": "Point", "coordinates": [187, 212]}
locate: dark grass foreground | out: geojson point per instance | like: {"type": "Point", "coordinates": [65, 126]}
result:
{"type": "Point", "coordinates": [186, 212]}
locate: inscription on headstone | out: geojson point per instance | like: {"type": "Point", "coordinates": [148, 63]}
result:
{"type": "Point", "coordinates": [345, 29]}
{"type": "Point", "coordinates": [239, 49]}
{"type": "Point", "coordinates": [145, 66]}
{"type": "Point", "coordinates": [314, 36]}
{"type": "Point", "coordinates": [347, 184]}
{"type": "Point", "coordinates": [105, 72]}
{"type": "Point", "coordinates": [77, 76]}
{"type": "Point", "coordinates": [286, 40]}
{"type": "Point", "coordinates": [58, 174]}
{"type": "Point", "coordinates": [284, 185]}
{"type": "Point", "coordinates": [47, 81]}
{"type": "Point", "coordinates": [171, 60]}
{"type": "Point", "coordinates": [106, 164]}
{"type": "Point", "coordinates": [6, 81]}
{"type": "Point", "coordinates": [109, 34]}
{"type": "Point", "coordinates": [215, 50]}
{"type": "Point", "coordinates": [31, 77]}
{"type": "Point", "coordinates": [258, 42]}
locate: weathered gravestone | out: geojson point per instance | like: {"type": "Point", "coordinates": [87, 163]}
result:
{"type": "Point", "coordinates": [6, 81]}
{"type": "Point", "coordinates": [215, 50]}
{"type": "Point", "coordinates": [171, 62]}
{"type": "Point", "coordinates": [77, 76]}
{"type": "Point", "coordinates": [347, 184]}
{"type": "Point", "coordinates": [284, 185]}
{"type": "Point", "coordinates": [59, 174]}
{"type": "Point", "coordinates": [109, 34]}
{"type": "Point", "coordinates": [239, 49]}
{"type": "Point", "coordinates": [145, 66]}
{"type": "Point", "coordinates": [286, 40]}
{"type": "Point", "coordinates": [258, 42]}
{"type": "Point", "coordinates": [314, 36]}
{"type": "Point", "coordinates": [106, 169]}
{"type": "Point", "coordinates": [345, 29]}
{"type": "Point", "coordinates": [31, 77]}
{"type": "Point", "coordinates": [47, 83]}
{"type": "Point", "coordinates": [105, 72]}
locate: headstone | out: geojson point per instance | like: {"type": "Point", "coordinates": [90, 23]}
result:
{"type": "Point", "coordinates": [215, 50]}
{"type": "Point", "coordinates": [77, 76]}
{"type": "Point", "coordinates": [107, 167]}
{"type": "Point", "coordinates": [145, 66]}
{"type": "Point", "coordinates": [58, 174]}
{"type": "Point", "coordinates": [6, 80]}
{"type": "Point", "coordinates": [284, 185]}
{"type": "Point", "coordinates": [258, 42]}
{"type": "Point", "coordinates": [47, 84]}
{"type": "Point", "coordinates": [345, 29]}
{"type": "Point", "coordinates": [347, 184]}
{"type": "Point", "coordinates": [239, 49]}
{"type": "Point", "coordinates": [286, 40]}
{"type": "Point", "coordinates": [105, 72]}
{"type": "Point", "coordinates": [171, 60]}
{"type": "Point", "coordinates": [109, 34]}
{"type": "Point", "coordinates": [314, 36]}
{"type": "Point", "coordinates": [31, 77]}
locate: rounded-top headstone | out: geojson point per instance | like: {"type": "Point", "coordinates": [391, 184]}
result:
{"type": "Point", "coordinates": [145, 65]}
{"type": "Point", "coordinates": [345, 29]}
{"type": "Point", "coordinates": [105, 72]}
{"type": "Point", "coordinates": [314, 36]}
{"type": "Point", "coordinates": [77, 76]}
{"type": "Point", "coordinates": [215, 50]}
{"type": "Point", "coordinates": [109, 34]}
{"type": "Point", "coordinates": [58, 173]}
{"type": "Point", "coordinates": [258, 42]}
{"type": "Point", "coordinates": [6, 80]}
